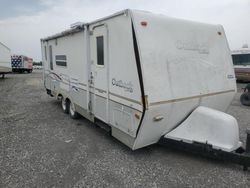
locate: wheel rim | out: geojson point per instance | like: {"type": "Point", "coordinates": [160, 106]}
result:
{"type": "Point", "coordinates": [64, 104]}
{"type": "Point", "coordinates": [72, 109]}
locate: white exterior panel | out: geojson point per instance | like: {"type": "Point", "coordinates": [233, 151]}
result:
{"type": "Point", "coordinates": [184, 64]}
{"type": "Point", "coordinates": [182, 58]}
{"type": "Point", "coordinates": [5, 59]}
{"type": "Point", "coordinates": [209, 126]}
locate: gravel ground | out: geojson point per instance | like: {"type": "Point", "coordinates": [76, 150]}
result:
{"type": "Point", "coordinates": [40, 146]}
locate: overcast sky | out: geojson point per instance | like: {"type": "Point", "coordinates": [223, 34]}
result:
{"type": "Point", "coordinates": [24, 22]}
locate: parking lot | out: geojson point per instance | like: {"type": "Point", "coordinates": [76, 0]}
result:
{"type": "Point", "coordinates": [42, 147]}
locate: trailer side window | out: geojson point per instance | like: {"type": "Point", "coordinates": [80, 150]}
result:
{"type": "Point", "coordinates": [45, 52]}
{"type": "Point", "coordinates": [61, 60]}
{"type": "Point", "coordinates": [50, 57]}
{"type": "Point", "coordinates": [100, 50]}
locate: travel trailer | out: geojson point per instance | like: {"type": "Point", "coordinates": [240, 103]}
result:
{"type": "Point", "coordinates": [241, 61]}
{"type": "Point", "coordinates": [148, 78]}
{"type": "Point", "coordinates": [5, 62]}
{"type": "Point", "coordinates": [21, 63]}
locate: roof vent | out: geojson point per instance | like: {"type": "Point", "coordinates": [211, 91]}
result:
{"type": "Point", "coordinates": [76, 25]}
{"type": "Point", "coordinates": [245, 46]}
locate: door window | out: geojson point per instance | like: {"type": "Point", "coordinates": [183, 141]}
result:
{"type": "Point", "coordinates": [100, 50]}
{"type": "Point", "coordinates": [50, 57]}
{"type": "Point", "coordinates": [45, 52]}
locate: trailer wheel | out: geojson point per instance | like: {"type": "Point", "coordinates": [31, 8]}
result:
{"type": "Point", "coordinates": [72, 112]}
{"type": "Point", "coordinates": [65, 105]}
{"type": "Point", "coordinates": [245, 99]}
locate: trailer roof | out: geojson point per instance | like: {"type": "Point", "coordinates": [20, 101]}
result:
{"type": "Point", "coordinates": [80, 27]}
{"type": "Point", "coordinates": [65, 33]}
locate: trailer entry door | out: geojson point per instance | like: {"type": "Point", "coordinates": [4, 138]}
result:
{"type": "Point", "coordinates": [99, 73]}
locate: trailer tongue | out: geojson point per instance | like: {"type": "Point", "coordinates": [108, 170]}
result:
{"type": "Point", "coordinates": [210, 133]}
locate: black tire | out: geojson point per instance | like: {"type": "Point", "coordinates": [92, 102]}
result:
{"type": "Point", "coordinates": [245, 99]}
{"type": "Point", "coordinates": [72, 112]}
{"type": "Point", "coordinates": [65, 105]}
{"type": "Point", "coordinates": [3, 76]}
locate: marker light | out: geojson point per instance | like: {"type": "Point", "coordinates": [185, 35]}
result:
{"type": "Point", "coordinates": [144, 23]}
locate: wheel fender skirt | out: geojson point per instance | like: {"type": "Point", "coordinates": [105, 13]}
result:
{"type": "Point", "coordinates": [206, 125]}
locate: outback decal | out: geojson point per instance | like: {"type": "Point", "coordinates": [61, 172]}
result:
{"type": "Point", "coordinates": [128, 86]}
{"type": "Point", "coordinates": [193, 46]}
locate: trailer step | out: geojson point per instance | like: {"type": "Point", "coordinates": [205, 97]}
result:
{"type": "Point", "coordinates": [102, 125]}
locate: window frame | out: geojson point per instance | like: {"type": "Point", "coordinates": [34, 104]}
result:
{"type": "Point", "coordinates": [51, 57]}
{"type": "Point", "coordinates": [103, 51]}
{"type": "Point", "coordinates": [45, 53]}
{"type": "Point", "coordinates": [241, 57]}
{"type": "Point", "coordinates": [64, 60]}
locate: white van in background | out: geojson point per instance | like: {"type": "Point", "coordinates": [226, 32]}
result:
{"type": "Point", "coordinates": [241, 61]}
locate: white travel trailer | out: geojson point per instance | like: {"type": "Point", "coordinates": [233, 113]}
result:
{"type": "Point", "coordinates": [146, 76]}
{"type": "Point", "coordinates": [5, 61]}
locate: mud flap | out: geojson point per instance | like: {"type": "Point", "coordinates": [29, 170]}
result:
{"type": "Point", "coordinates": [208, 126]}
